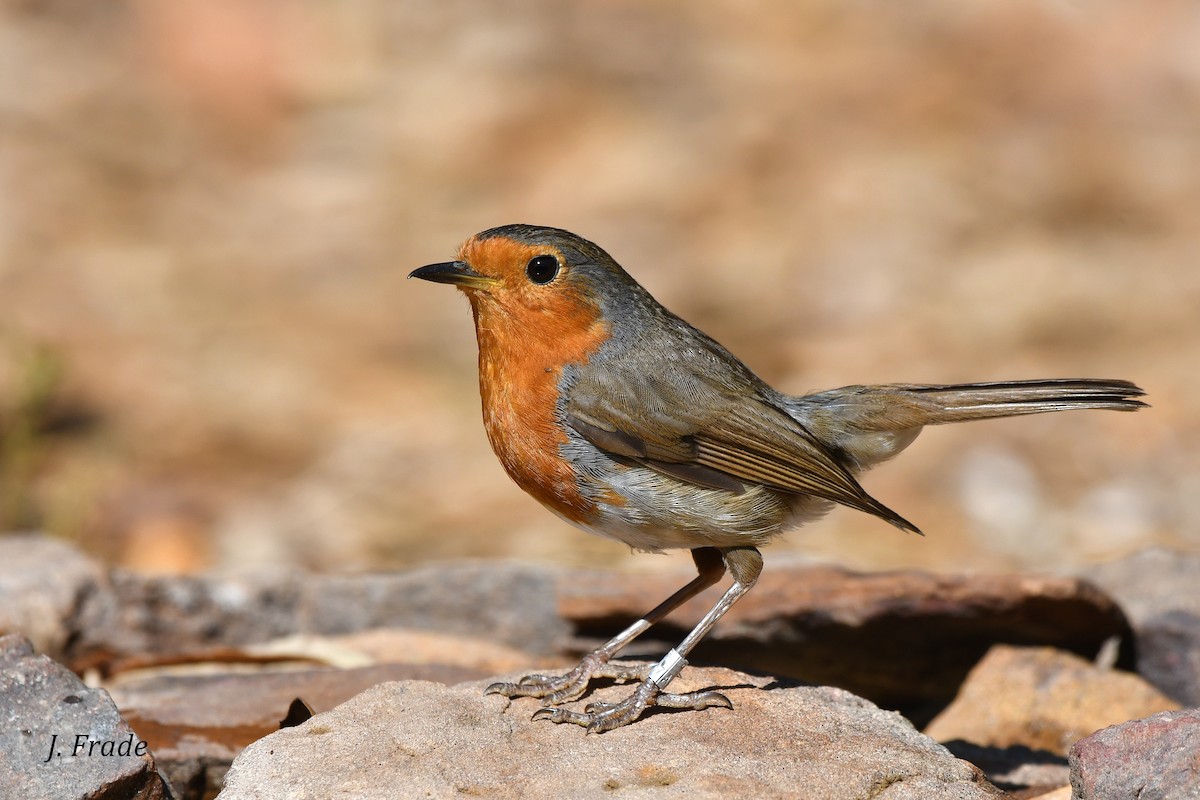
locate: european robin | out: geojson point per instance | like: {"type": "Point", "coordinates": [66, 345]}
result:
{"type": "Point", "coordinates": [628, 422]}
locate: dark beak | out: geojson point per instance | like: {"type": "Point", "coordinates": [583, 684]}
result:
{"type": "Point", "coordinates": [458, 273]}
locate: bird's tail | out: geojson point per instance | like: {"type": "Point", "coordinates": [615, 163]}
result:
{"type": "Point", "coordinates": [865, 425]}
{"type": "Point", "coordinates": [967, 401]}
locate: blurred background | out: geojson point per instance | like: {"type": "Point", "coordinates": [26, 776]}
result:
{"type": "Point", "coordinates": [210, 356]}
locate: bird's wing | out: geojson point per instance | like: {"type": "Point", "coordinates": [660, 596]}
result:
{"type": "Point", "coordinates": [713, 428]}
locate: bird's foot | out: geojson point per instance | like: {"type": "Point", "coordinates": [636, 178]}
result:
{"type": "Point", "coordinates": [601, 717]}
{"type": "Point", "coordinates": [555, 689]}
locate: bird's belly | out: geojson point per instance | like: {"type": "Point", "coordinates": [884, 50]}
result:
{"type": "Point", "coordinates": [651, 511]}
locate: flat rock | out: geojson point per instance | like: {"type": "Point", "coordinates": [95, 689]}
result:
{"type": "Point", "coordinates": [1157, 590]}
{"type": "Point", "coordinates": [1042, 699]}
{"type": "Point", "coordinates": [196, 723]}
{"type": "Point", "coordinates": [1151, 582]}
{"type": "Point", "coordinates": [43, 582]}
{"type": "Point", "coordinates": [404, 646]}
{"type": "Point", "coordinates": [1157, 758]}
{"type": "Point", "coordinates": [418, 739]}
{"type": "Point", "coordinates": [1168, 654]}
{"type": "Point", "coordinates": [506, 603]}
{"type": "Point", "coordinates": [41, 700]}
{"type": "Point", "coordinates": [151, 614]}
{"type": "Point", "coordinates": [1019, 770]}
{"type": "Point", "coordinates": [905, 640]}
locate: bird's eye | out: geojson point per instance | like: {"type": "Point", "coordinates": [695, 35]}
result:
{"type": "Point", "coordinates": [542, 269]}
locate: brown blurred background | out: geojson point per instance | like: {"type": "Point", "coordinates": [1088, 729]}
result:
{"type": "Point", "coordinates": [210, 356]}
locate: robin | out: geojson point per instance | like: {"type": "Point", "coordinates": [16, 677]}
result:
{"type": "Point", "coordinates": [628, 422]}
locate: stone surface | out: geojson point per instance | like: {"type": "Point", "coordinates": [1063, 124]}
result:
{"type": "Point", "coordinates": [402, 646]}
{"type": "Point", "coordinates": [1157, 590]}
{"type": "Point", "coordinates": [1062, 793]}
{"type": "Point", "coordinates": [1151, 582]}
{"type": "Point", "coordinates": [43, 582]}
{"type": "Point", "coordinates": [904, 640]}
{"type": "Point", "coordinates": [150, 614]}
{"type": "Point", "coordinates": [1042, 698]}
{"type": "Point", "coordinates": [507, 603]}
{"type": "Point", "coordinates": [195, 724]}
{"type": "Point", "coordinates": [1168, 654]}
{"type": "Point", "coordinates": [1021, 771]}
{"type": "Point", "coordinates": [198, 716]}
{"type": "Point", "coordinates": [1157, 758]}
{"type": "Point", "coordinates": [416, 739]}
{"type": "Point", "coordinates": [40, 700]}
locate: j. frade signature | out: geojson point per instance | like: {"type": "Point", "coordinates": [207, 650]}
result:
{"type": "Point", "coordinates": [85, 745]}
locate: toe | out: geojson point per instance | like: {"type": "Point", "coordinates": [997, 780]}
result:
{"type": "Point", "coordinates": [693, 700]}
{"type": "Point", "coordinates": [561, 715]}
{"type": "Point", "coordinates": [540, 680]}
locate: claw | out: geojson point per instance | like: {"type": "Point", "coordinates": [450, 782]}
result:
{"type": "Point", "coordinates": [556, 689]}
{"type": "Point", "coordinates": [600, 717]}
{"type": "Point", "coordinates": [506, 689]}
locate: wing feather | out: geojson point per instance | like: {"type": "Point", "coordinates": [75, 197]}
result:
{"type": "Point", "coordinates": [711, 427]}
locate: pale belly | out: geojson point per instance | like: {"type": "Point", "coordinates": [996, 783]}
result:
{"type": "Point", "coordinates": [650, 511]}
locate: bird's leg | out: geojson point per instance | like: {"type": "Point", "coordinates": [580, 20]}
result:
{"type": "Point", "coordinates": [745, 565]}
{"type": "Point", "coordinates": [554, 689]}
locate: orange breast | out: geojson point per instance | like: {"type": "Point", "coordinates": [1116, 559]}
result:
{"type": "Point", "coordinates": [521, 361]}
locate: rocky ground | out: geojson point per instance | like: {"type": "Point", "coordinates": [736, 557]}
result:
{"type": "Point", "coordinates": [283, 683]}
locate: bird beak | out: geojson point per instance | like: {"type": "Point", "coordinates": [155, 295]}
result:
{"type": "Point", "coordinates": [458, 273]}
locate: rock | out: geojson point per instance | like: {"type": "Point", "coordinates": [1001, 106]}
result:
{"type": "Point", "coordinates": [1151, 582]}
{"type": "Point", "coordinates": [43, 582]}
{"type": "Point", "coordinates": [1043, 699]}
{"type": "Point", "coordinates": [1020, 770]}
{"type": "Point", "coordinates": [145, 615]}
{"type": "Point", "coordinates": [904, 640]}
{"type": "Point", "coordinates": [510, 603]}
{"type": "Point", "coordinates": [506, 603]}
{"type": "Point", "coordinates": [402, 646]}
{"type": "Point", "coordinates": [417, 739]}
{"type": "Point", "coordinates": [195, 723]}
{"type": "Point", "coordinates": [95, 755]}
{"type": "Point", "coordinates": [1157, 758]}
{"type": "Point", "coordinates": [1168, 654]}
{"type": "Point", "coordinates": [1157, 590]}
{"type": "Point", "coordinates": [1061, 793]}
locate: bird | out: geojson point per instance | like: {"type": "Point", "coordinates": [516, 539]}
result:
{"type": "Point", "coordinates": [628, 422]}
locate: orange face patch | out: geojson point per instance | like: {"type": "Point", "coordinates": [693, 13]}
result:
{"type": "Point", "coordinates": [501, 257]}
{"type": "Point", "coordinates": [527, 334]}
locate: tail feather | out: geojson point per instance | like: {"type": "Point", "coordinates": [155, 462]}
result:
{"type": "Point", "coordinates": [968, 401]}
{"type": "Point", "coordinates": [865, 425]}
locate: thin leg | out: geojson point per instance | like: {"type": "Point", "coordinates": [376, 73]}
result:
{"type": "Point", "coordinates": [745, 564]}
{"type": "Point", "coordinates": [555, 689]}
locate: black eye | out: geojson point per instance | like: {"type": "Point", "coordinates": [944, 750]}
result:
{"type": "Point", "coordinates": [542, 269]}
